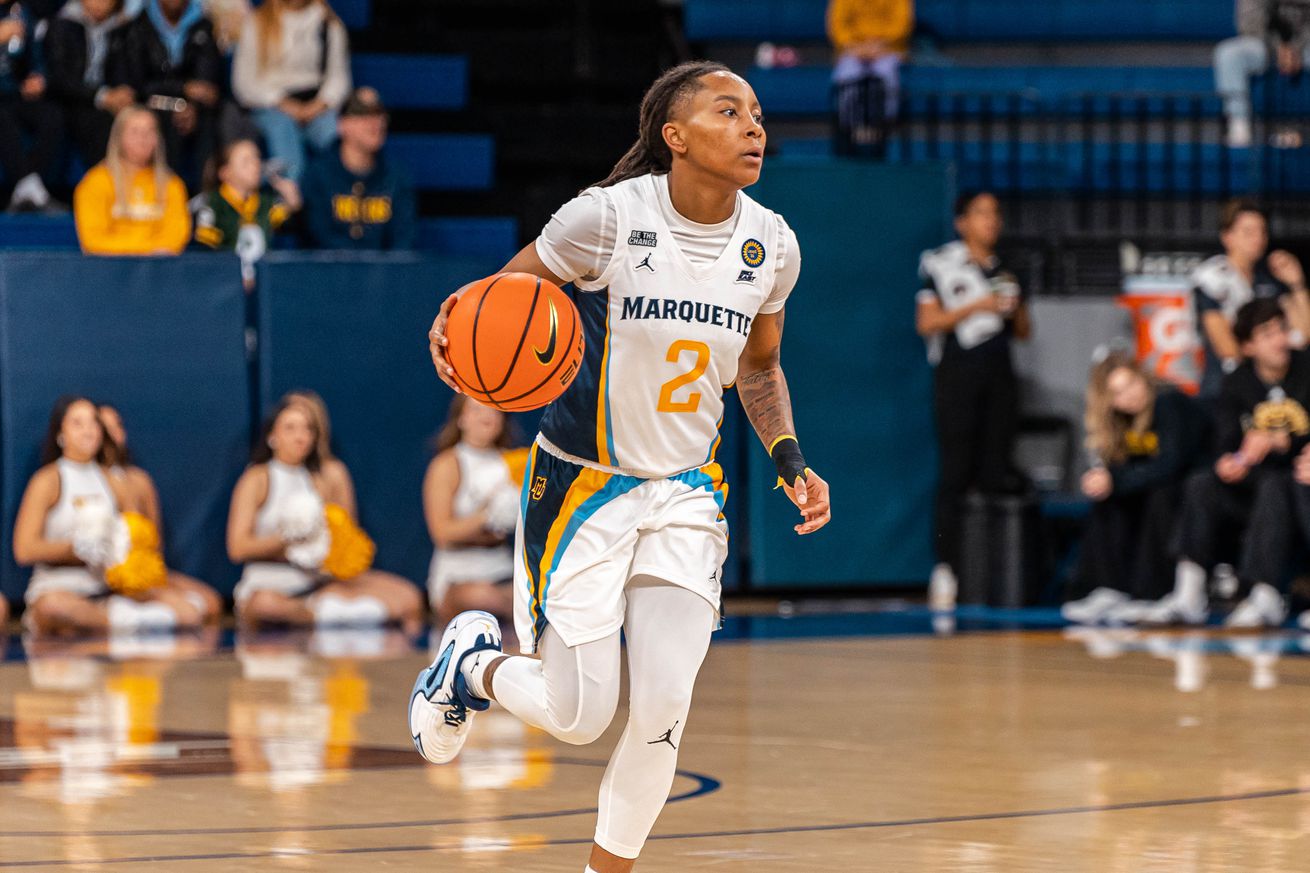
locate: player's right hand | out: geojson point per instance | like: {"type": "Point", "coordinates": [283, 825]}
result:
{"type": "Point", "coordinates": [437, 343]}
{"type": "Point", "coordinates": [810, 495]}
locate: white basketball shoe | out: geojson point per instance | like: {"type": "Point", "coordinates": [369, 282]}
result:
{"type": "Point", "coordinates": [942, 588]}
{"type": "Point", "coordinates": [1094, 607]}
{"type": "Point", "coordinates": [441, 706]}
{"type": "Point", "coordinates": [1264, 607]}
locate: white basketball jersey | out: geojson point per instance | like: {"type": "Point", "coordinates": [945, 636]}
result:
{"type": "Point", "coordinates": [663, 338]}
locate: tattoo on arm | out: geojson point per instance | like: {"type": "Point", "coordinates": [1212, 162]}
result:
{"type": "Point", "coordinates": [767, 403]}
{"type": "Point", "coordinates": [765, 398]}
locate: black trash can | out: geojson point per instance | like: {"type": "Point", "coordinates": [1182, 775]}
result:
{"type": "Point", "coordinates": [1000, 551]}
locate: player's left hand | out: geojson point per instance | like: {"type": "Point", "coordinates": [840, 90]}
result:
{"type": "Point", "coordinates": [811, 497]}
{"type": "Point", "coordinates": [437, 343]}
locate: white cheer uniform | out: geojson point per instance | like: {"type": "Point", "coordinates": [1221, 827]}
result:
{"type": "Point", "coordinates": [482, 474]}
{"type": "Point", "coordinates": [622, 480]}
{"type": "Point", "coordinates": [285, 483]}
{"type": "Point", "coordinates": [78, 484]}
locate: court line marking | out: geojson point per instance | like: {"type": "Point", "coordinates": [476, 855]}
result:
{"type": "Point", "coordinates": [704, 785]}
{"type": "Point", "coordinates": [697, 835]}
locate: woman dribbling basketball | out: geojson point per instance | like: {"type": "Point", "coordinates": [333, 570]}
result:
{"type": "Point", "coordinates": [683, 280]}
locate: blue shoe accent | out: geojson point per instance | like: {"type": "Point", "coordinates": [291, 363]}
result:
{"type": "Point", "coordinates": [418, 691]}
{"type": "Point", "coordinates": [462, 693]}
{"type": "Point", "coordinates": [434, 674]}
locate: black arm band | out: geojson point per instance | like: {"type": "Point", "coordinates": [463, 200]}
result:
{"type": "Point", "coordinates": [788, 459]}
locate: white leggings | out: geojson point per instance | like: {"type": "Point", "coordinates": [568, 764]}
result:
{"type": "Point", "coordinates": [572, 694]}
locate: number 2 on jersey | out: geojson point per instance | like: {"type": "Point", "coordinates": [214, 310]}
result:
{"type": "Point", "coordinates": [692, 403]}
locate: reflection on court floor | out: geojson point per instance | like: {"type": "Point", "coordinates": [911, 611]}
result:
{"type": "Point", "coordinates": [880, 740]}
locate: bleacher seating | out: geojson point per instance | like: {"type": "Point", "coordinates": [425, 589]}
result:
{"type": "Point", "coordinates": [1077, 166]}
{"type": "Point", "coordinates": [415, 81]}
{"type": "Point", "coordinates": [354, 14]}
{"type": "Point", "coordinates": [806, 90]}
{"type": "Point", "coordinates": [445, 161]}
{"type": "Point", "coordinates": [494, 237]}
{"type": "Point", "coordinates": [976, 20]}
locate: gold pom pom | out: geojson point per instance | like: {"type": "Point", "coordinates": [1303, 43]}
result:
{"type": "Point", "coordinates": [517, 461]}
{"type": "Point", "coordinates": [143, 569]}
{"type": "Point", "coordinates": [142, 531]}
{"type": "Point", "coordinates": [350, 551]}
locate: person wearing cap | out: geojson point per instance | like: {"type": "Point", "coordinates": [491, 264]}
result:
{"type": "Point", "coordinates": [354, 197]}
{"type": "Point", "coordinates": [291, 69]}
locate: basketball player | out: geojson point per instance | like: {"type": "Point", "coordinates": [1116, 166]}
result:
{"type": "Point", "coordinates": [684, 279]}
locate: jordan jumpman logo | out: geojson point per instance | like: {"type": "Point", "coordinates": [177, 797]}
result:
{"type": "Point", "coordinates": [667, 738]}
{"type": "Point", "coordinates": [645, 262]}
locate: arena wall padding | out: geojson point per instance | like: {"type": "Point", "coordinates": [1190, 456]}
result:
{"type": "Point", "coordinates": [163, 339]}
{"type": "Point", "coordinates": [354, 329]}
{"type": "Point", "coordinates": [860, 384]}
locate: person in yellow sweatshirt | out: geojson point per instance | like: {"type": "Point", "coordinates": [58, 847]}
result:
{"type": "Point", "coordinates": [871, 39]}
{"type": "Point", "coordinates": [131, 203]}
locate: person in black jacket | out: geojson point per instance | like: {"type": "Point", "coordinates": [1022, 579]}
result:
{"type": "Point", "coordinates": [77, 50]}
{"type": "Point", "coordinates": [1261, 424]}
{"type": "Point", "coordinates": [168, 56]}
{"type": "Point", "coordinates": [1147, 438]}
{"type": "Point", "coordinates": [29, 123]}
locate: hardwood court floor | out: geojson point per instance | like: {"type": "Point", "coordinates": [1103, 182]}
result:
{"type": "Point", "coordinates": [989, 750]}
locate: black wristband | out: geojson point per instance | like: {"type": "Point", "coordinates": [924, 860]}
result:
{"type": "Point", "coordinates": [787, 457]}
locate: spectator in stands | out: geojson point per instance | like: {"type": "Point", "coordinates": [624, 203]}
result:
{"type": "Point", "coordinates": [228, 17]}
{"type": "Point", "coordinates": [168, 56]}
{"type": "Point", "coordinates": [277, 510]}
{"type": "Point", "coordinates": [29, 123]}
{"type": "Point", "coordinates": [1261, 425]}
{"type": "Point", "coordinates": [55, 533]}
{"type": "Point", "coordinates": [292, 70]}
{"type": "Point", "coordinates": [237, 212]}
{"type": "Point", "coordinates": [871, 39]}
{"type": "Point", "coordinates": [130, 203]}
{"type": "Point", "coordinates": [354, 197]}
{"type": "Point", "coordinates": [77, 51]}
{"type": "Point", "coordinates": [471, 506]}
{"type": "Point", "coordinates": [969, 309]}
{"type": "Point", "coordinates": [1301, 508]}
{"type": "Point", "coordinates": [141, 496]}
{"type": "Point", "coordinates": [1224, 283]}
{"type": "Point", "coordinates": [1146, 437]}
{"type": "Point", "coordinates": [1266, 28]}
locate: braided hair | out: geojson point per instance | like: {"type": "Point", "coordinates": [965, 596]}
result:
{"type": "Point", "coordinates": [650, 154]}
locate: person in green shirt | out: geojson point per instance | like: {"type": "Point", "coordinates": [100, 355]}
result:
{"type": "Point", "coordinates": [237, 212]}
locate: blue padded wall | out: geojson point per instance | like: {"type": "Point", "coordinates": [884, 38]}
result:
{"type": "Point", "coordinates": [164, 341]}
{"type": "Point", "coordinates": [354, 328]}
{"type": "Point", "coordinates": [860, 384]}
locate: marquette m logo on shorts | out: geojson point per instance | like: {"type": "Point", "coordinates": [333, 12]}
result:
{"type": "Point", "coordinates": [538, 487]}
{"type": "Point", "coordinates": [752, 252]}
{"type": "Point", "coordinates": [642, 238]}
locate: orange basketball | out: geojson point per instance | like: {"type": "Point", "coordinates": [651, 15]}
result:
{"type": "Point", "coordinates": [515, 341]}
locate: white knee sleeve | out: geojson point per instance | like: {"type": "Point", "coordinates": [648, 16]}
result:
{"type": "Point", "coordinates": [571, 693]}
